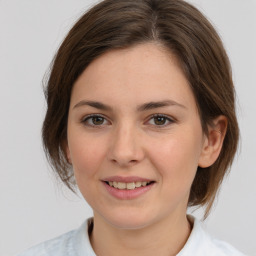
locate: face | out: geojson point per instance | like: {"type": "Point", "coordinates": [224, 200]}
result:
{"type": "Point", "coordinates": [134, 136]}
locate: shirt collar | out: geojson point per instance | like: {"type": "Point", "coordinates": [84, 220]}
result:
{"type": "Point", "coordinates": [82, 244]}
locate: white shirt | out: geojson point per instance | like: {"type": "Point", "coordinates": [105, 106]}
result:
{"type": "Point", "coordinates": [77, 243]}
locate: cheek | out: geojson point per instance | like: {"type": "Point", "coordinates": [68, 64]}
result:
{"type": "Point", "coordinates": [176, 159]}
{"type": "Point", "coordinates": [87, 155]}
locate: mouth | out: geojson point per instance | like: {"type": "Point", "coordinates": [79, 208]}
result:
{"type": "Point", "coordinates": [127, 188]}
{"type": "Point", "coordinates": [129, 185]}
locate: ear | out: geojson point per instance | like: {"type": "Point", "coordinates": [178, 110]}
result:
{"type": "Point", "coordinates": [213, 141]}
{"type": "Point", "coordinates": [67, 151]}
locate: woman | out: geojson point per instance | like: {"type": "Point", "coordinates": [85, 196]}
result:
{"type": "Point", "coordinates": [141, 117]}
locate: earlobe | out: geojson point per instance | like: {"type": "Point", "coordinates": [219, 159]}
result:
{"type": "Point", "coordinates": [67, 152]}
{"type": "Point", "coordinates": [68, 156]}
{"type": "Point", "coordinates": [213, 142]}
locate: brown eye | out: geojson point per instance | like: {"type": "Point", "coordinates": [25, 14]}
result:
{"type": "Point", "coordinates": [160, 120]}
{"type": "Point", "coordinates": [94, 120]}
{"type": "Point", "coordinates": [97, 120]}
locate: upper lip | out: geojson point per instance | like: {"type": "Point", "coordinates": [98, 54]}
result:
{"type": "Point", "coordinates": [126, 179]}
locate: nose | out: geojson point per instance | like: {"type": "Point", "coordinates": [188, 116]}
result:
{"type": "Point", "coordinates": [126, 147]}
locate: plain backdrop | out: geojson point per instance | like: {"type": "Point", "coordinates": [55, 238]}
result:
{"type": "Point", "coordinates": [34, 207]}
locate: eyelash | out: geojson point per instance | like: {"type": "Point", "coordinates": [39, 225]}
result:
{"type": "Point", "coordinates": [167, 119]}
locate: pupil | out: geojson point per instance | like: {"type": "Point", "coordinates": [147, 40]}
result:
{"type": "Point", "coordinates": [159, 120]}
{"type": "Point", "coordinates": [97, 120]}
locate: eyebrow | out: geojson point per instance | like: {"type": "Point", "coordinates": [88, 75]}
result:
{"type": "Point", "coordinates": [143, 107]}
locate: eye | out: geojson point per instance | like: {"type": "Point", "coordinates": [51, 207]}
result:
{"type": "Point", "coordinates": [94, 120]}
{"type": "Point", "coordinates": [98, 120]}
{"type": "Point", "coordinates": [160, 120]}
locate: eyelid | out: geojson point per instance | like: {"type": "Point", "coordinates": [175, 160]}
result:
{"type": "Point", "coordinates": [171, 120]}
{"type": "Point", "coordinates": [87, 117]}
{"type": "Point", "coordinates": [168, 118]}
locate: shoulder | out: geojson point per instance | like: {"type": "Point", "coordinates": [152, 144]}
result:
{"type": "Point", "coordinates": [200, 243]}
{"type": "Point", "coordinates": [73, 243]}
{"type": "Point", "coordinates": [223, 248]}
{"type": "Point", "coordinates": [53, 247]}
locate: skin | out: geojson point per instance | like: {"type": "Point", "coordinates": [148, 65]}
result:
{"type": "Point", "coordinates": [126, 141]}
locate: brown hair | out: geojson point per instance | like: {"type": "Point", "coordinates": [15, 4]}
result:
{"type": "Point", "coordinates": [185, 32]}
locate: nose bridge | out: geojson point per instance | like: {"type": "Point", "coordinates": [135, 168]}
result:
{"type": "Point", "coordinates": [125, 144]}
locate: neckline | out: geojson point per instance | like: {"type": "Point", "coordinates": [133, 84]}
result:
{"type": "Point", "coordinates": [194, 236]}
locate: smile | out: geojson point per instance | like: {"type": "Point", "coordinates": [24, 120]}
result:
{"type": "Point", "coordinates": [129, 185]}
{"type": "Point", "coordinates": [127, 188]}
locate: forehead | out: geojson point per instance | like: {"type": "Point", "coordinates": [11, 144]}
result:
{"type": "Point", "coordinates": [145, 72]}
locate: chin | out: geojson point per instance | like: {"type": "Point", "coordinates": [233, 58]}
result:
{"type": "Point", "coordinates": [130, 221]}
{"type": "Point", "coordinates": [128, 224]}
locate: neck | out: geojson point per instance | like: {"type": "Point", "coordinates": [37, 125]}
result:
{"type": "Point", "coordinates": [166, 237]}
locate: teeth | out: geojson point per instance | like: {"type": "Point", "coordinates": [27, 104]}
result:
{"type": "Point", "coordinates": [130, 185]}
{"type": "Point", "coordinates": [121, 185]}
{"type": "Point", "coordinates": [137, 184]}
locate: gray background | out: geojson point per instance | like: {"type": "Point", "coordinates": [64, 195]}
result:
{"type": "Point", "coordinates": [34, 207]}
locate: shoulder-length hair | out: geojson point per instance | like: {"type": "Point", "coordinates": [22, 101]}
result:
{"type": "Point", "coordinates": [180, 28]}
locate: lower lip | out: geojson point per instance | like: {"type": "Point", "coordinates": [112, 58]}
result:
{"type": "Point", "coordinates": [127, 194]}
